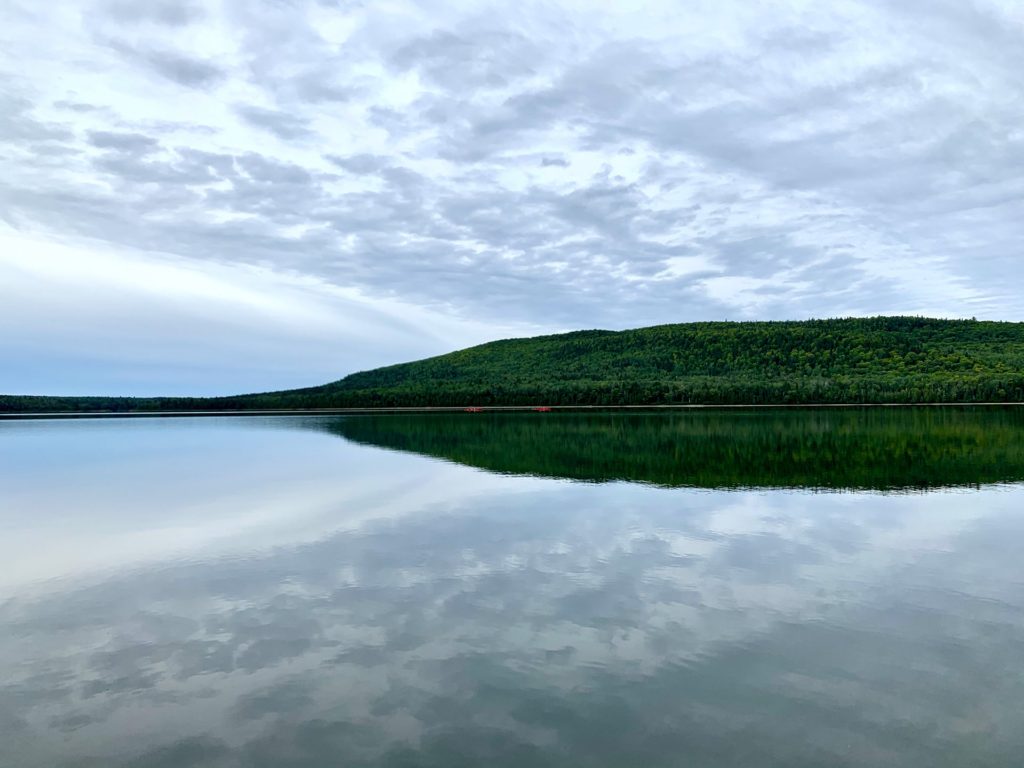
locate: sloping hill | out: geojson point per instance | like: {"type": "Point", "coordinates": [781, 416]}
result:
{"type": "Point", "coordinates": [882, 359]}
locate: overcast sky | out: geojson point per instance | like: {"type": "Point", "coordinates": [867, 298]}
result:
{"type": "Point", "coordinates": [206, 197]}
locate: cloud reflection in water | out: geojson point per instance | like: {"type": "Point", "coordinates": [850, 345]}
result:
{"type": "Point", "coordinates": [501, 621]}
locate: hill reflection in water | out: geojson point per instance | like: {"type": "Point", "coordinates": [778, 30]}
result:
{"type": "Point", "coordinates": [876, 449]}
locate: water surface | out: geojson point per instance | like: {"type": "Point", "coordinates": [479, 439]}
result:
{"type": "Point", "coordinates": [770, 588]}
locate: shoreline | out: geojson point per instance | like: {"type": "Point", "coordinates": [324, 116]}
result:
{"type": "Point", "coordinates": [483, 409]}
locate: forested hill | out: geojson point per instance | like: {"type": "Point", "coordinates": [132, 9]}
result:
{"type": "Point", "coordinates": [882, 360]}
{"type": "Point", "coordinates": [887, 359]}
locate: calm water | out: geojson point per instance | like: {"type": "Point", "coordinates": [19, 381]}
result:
{"type": "Point", "coordinates": [800, 588]}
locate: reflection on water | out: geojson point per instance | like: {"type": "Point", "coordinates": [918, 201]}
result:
{"type": "Point", "coordinates": [258, 592]}
{"type": "Point", "coordinates": [839, 448]}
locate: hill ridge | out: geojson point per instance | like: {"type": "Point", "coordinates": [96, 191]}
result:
{"type": "Point", "coordinates": [881, 359]}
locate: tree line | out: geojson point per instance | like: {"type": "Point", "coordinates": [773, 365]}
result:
{"type": "Point", "coordinates": [855, 360]}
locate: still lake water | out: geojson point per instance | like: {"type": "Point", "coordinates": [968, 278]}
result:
{"type": "Point", "coordinates": [744, 588]}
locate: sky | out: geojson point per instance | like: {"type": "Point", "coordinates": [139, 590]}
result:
{"type": "Point", "coordinates": [233, 196]}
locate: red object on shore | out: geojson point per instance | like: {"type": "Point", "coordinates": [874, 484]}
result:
{"type": "Point", "coordinates": [474, 410]}
{"type": "Point", "coordinates": [542, 409]}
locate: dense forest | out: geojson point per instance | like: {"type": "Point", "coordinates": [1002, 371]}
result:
{"type": "Point", "coordinates": [885, 449]}
{"type": "Point", "coordinates": [857, 360]}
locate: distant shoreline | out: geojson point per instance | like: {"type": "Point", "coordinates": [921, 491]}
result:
{"type": "Point", "coordinates": [852, 362]}
{"type": "Point", "coordinates": [482, 409]}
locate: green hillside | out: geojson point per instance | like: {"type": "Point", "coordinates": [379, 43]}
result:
{"type": "Point", "coordinates": [887, 359]}
{"type": "Point", "coordinates": [883, 359]}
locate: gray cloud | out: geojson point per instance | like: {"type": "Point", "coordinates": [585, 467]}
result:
{"type": "Point", "coordinates": [181, 68]}
{"type": "Point", "coordinates": [19, 125]}
{"type": "Point", "coordinates": [361, 163]}
{"type": "Point", "coordinates": [281, 124]}
{"type": "Point", "coordinates": [173, 13]}
{"type": "Point", "coordinates": [260, 168]}
{"type": "Point", "coordinates": [128, 142]}
{"type": "Point", "coordinates": [316, 88]}
{"type": "Point", "coordinates": [77, 106]}
{"type": "Point", "coordinates": [477, 59]}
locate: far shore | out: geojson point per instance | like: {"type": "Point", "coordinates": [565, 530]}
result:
{"type": "Point", "coordinates": [477, 409]}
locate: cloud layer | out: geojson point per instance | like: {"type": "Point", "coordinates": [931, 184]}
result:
{"type": "Point", "coordinates": [552, 166]}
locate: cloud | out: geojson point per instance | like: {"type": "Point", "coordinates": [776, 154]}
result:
{"type": "Point", "coordinates": [550, 167]}
{"type": "Point", "coordinates": [173, 13]}
{"type": "Point", "coordinates": [157, 324]}
{"type": "Point", "coordinates": [18, 125]}
{"type": "Point", "coordinates": [361, 164]}
{"type": "Point", "coordinates": [128, 142]}
{"type": "Point", "coordinates": [181, 68]}
{"type": "Point", "coordinates": [281, 124]}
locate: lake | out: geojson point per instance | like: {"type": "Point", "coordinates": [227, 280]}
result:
{"type": "Point", "coordinates": [834, 587]}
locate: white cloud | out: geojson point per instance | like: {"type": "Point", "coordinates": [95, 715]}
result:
{"type": "Point", "coordinates": [90, 309]}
